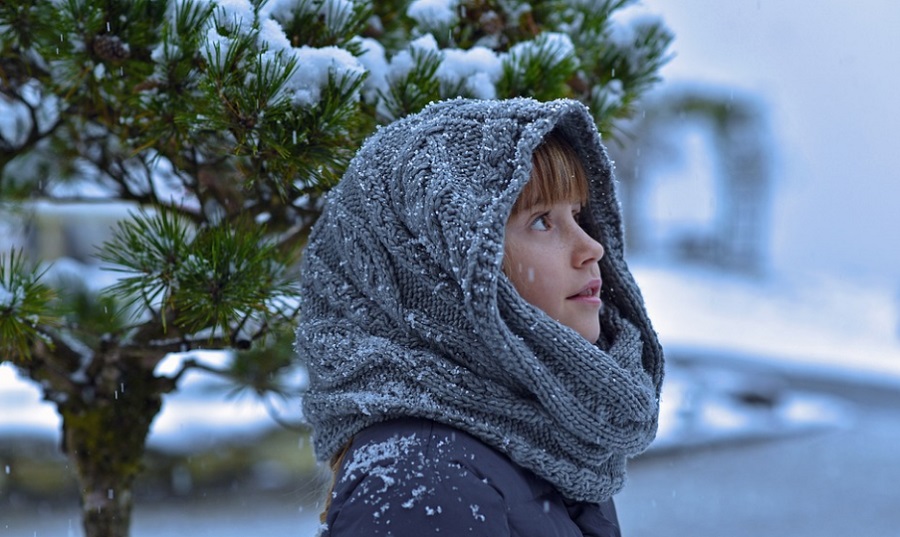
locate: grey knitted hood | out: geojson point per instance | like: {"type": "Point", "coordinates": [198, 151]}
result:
{"type": "Point", "coordinates": [405, 310]}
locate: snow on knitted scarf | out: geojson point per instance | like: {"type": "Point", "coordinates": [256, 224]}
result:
{"type": "Point", "coordinates": [406, 312]}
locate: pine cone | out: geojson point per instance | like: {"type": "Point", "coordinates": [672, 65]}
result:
{"type": "Point", "coordinates": [110, 48]}
{"type": "Point", "coordinates": [491, 22]}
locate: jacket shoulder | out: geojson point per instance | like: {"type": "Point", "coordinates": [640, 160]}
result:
{"type": "Point", "coordinates": [414, 477]}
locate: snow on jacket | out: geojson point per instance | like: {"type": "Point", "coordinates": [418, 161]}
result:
{"type": "Point", "coordinates": [415, 477]}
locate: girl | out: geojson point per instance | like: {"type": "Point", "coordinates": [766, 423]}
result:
{"type": "Point", "coordinates": [480, 359]}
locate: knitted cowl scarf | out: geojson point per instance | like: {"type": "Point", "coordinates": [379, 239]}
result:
{"type": "Point", "coordinates": [405, 310]}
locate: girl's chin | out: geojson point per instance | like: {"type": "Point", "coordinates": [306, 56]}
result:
{"type": "Point", "coordinates": [592, 334]}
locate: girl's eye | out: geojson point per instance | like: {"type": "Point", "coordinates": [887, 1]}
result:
{"type": "Point", "coordinates": [579, 216]}
{"type": "Point", "coordinates": [541, 223]}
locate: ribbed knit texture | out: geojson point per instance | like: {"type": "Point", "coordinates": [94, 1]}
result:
{"type": "Point", "coordinates": [406, 312]}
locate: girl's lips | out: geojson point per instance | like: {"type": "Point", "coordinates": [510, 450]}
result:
{"type": "Point", "coordinates": [589, 294]}
{"type": "Point", "coordinates": [595, 300]}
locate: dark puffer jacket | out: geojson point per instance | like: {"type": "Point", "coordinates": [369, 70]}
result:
{"type": "Point", "coordinates": [415, 477]}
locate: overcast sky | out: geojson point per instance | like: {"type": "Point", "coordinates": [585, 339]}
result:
{"type": "Point", "coordinates": [830, 72]}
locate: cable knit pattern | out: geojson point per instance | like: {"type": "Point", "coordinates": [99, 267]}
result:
{"type": "Point", "coordinates": [406, 312]}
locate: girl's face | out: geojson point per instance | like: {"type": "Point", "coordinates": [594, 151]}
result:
{"type": "Point", "coordinates": [552, 263]}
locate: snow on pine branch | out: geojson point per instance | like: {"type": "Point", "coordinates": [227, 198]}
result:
{"type": "Point", "coordinates": [315, 67]}
{"type": "Point", "coordinates": [474, 71]}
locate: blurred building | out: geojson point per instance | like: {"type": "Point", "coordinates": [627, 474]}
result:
{"type": "Point", "coordinates": [695, 179]}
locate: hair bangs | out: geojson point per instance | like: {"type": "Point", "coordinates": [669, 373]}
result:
{"type": "Point", "coordinates": [557, 175]}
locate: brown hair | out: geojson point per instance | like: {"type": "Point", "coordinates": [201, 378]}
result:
{"type": "Point", "coordinates": [557, 174]}
{"type": "Point", "coordinates": [336, 461]}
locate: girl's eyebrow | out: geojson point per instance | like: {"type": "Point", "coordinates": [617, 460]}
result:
{"type": "Point", "coordinates": [529, 208]}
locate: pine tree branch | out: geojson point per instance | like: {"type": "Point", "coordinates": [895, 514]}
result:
{"type": "Point", "coordinates": [191, 364]}
{"type": "Point", "coordinates": [54, 361]}
{"type": "Point", "coordinates": [8, 150]}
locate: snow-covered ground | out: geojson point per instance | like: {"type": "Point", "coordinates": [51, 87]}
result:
{"type": "Point", "coordinates": [824, 323]}
{"type": "Point", "coordinates": [715, 325]}
{"type": "Point", "coordinates": [816, 326]}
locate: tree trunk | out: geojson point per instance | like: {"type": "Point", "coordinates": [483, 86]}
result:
{"type": "Point", "coordinates": [104, 436]}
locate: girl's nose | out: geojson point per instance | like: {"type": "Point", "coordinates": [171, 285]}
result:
{"type": "Point", "coordinates": [587, 249]}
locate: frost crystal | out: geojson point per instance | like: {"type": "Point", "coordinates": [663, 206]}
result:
{"type": "Point", "coordinates": [475, 514]}
{"type": "Point", "coordinates": [369, 458]}
{"type": "Point", "coordinates": [417, 494]}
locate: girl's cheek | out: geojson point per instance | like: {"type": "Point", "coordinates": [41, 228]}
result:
{"type": "Point", "coordinates": [524, 273]}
